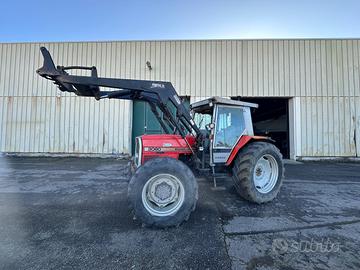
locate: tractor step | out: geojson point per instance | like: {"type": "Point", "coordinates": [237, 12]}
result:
{"type": "Point", "coordinates": [218, 188]}
{"type": "Point", "coordinates": [222, 175]}
{"type": "Point", "coordinates": [216, 177]}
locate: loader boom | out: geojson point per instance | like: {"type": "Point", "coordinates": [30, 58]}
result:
{"type": "Point", "coordinates": [158, 94]}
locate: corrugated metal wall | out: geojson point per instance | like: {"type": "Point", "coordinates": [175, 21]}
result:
{"type": "Point", "coordinates": [330, 126]}
{"type": "Point", "coordinates": [35, 117]}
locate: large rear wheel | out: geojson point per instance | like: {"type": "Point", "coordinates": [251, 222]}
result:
{"type": "Point", "coordinates": [258, 172]}
{"type": "Point", "coordinates": [163, 192]}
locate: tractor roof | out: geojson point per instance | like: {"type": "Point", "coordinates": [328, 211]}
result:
{"type": "Point", "coordinates": [204, 105]}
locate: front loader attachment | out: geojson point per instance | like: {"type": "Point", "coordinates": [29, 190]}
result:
{"type": "Point", "coordinates": [50, 72]}
{"type": "Point", "coordinates": [158, 94]}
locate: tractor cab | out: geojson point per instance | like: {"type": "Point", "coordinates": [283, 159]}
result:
{"type": "Point", "coordinates": [223, 122]}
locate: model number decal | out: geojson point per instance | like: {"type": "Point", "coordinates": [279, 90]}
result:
{"type": "Point", "coordinates": [177, 99]}
{"type": "Point", "coordinates": [157, 85]}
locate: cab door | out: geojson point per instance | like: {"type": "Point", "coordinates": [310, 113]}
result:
{"type": "Point", "coordinates": [229, 127]}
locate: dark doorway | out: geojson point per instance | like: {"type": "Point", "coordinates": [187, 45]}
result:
{"type": "Point", "coordinates": [272, 119]}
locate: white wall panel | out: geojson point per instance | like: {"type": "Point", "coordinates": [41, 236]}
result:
{"type": "Point", "coordinates": [330, 126]}
{"type": "Point", "coordinates": [65, 125]}
{"type": "Point", "coordinates": [324, 74]}
{"type": "Point", "coordinates": [245, 68]}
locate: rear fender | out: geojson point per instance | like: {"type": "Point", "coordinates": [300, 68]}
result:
{"type": "Point", "coordinates": [244, 140]}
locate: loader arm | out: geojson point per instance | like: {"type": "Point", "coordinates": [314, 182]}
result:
{"type": "Point", "coordinates": [157, 93]}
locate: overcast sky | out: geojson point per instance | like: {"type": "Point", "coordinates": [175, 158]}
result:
{"type": "Point", "coordinates": [88, 20]}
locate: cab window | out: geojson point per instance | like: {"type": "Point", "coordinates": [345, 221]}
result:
{"type": "Point", "coordinates": [202, 120]}
{"type": "Point", "coordinates": [229, 126]}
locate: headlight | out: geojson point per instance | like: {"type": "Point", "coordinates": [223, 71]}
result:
{"type": "Point", "coordinates": [138, 151]}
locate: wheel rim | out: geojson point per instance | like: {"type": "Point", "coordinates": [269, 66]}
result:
{"type": "Point", "coordinates": [266, 173]}
{"type": "Point", "coordinates": [163, 195]}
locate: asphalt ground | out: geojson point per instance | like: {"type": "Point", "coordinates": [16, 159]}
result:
{"type": "Point", "coordinates": [62, 213]}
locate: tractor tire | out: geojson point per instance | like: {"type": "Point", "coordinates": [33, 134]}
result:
{"type": "Point", "coordinates": [258, 172]}
{"type": "Point", "coordinates": [163, 192]}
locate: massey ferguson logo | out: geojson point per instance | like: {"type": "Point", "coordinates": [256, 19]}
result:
{"type": "Point", "coordinates": [157, 85]}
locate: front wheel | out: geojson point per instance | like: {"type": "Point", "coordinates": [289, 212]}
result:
{"type": "Point", "coordinates": [258, 172]}
{"type": "Point", "coordinates": [163, 192]}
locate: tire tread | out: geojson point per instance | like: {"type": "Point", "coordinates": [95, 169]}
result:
{"type": "Point", "coordinates": [242, 171]}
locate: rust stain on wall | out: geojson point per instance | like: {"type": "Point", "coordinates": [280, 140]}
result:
{"type": "Point", "coordinates": [104, 140]}
{"type": "Point", "coordinates": [354, 137]}
{"type": "Point", "coordinates": [58, 101]}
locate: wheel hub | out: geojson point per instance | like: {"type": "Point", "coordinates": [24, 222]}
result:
{"type": "Point", "coordinates": [266, 173]}
{"type": "Point", "coordinates": [163, 194]}
{"type": "Point", "coordinates": [163, 191]}
{"type": "Point", "coordinates": [258, 171]}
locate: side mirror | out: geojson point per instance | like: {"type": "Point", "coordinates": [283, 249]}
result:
{"type": "Point", "coordinates": [210, 126]}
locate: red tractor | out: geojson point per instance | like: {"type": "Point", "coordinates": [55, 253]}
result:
{"type": "Point", "coordinates": [214, 138]}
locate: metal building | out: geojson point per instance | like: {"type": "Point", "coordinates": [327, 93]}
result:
{"type": "Point", "coordinates": [309, 91]}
